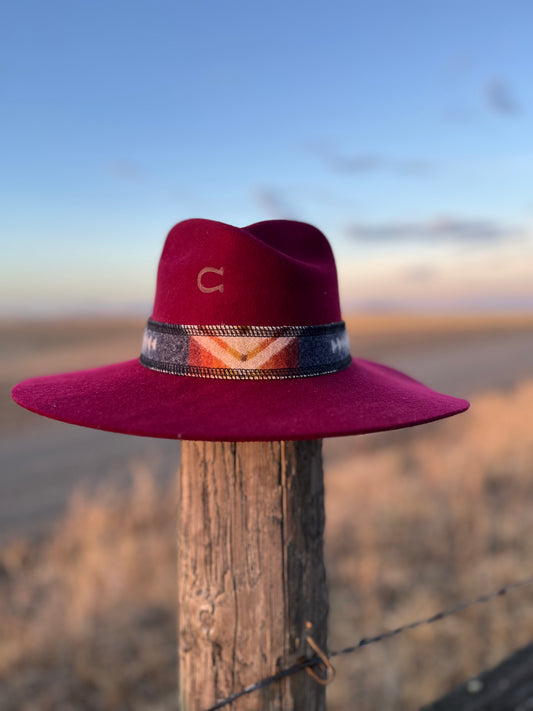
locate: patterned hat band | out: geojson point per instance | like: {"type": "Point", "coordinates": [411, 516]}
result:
{"type": "Point", "coordinates": [245, 352]}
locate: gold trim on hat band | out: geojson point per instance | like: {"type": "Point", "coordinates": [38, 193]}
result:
{"type": "Point", "coordinates": [245, 352]}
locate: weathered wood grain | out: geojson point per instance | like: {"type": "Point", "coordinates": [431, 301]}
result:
{"type": "Point", "coordinates": [250, 571]}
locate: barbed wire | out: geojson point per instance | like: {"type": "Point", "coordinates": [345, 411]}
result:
{"type": "Point", "coordinates": [365, 641]}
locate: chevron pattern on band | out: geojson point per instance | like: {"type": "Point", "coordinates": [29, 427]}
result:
{"type": "Point", "coordinates": [245, 352]}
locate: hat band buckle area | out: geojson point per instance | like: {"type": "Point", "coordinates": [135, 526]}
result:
{"type": "Point", "coordinates": [245, 352]}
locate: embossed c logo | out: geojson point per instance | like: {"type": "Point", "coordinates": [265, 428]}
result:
{"type": "Point", "coordinates": [210, 289]}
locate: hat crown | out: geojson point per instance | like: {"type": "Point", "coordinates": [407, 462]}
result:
{"type": "Point", "coordinates": [272, 273]}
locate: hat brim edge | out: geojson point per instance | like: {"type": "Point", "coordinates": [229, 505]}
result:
{"type": "Point", "coordinates": [128, 398]}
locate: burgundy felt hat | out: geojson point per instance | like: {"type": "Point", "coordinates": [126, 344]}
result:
{"type": "Point", "coordinates": [245, 342]}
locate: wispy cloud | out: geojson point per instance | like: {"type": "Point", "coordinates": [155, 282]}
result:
{"type": "Point", "coordinates": [356, 163]}
{"type": "Point", "coordinates": [500, 98]}
{"type": "Point", "coordinates": [420, 273]}
{"type": "Point", "coordinates": [458, 66]}
{"type": "Point", "coordinates": [126, 170]}
{"type": "Point", "coordinates": [438, 230]}
{"type": "Point", "coordinates": [273, 203]}
{"type": "Point", "coordinates": [363, 162]}
{"type": "Point", "coordinates": [413, 166]}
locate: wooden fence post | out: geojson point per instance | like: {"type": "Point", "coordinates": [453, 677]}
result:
{"type": "Point", "coordinates": [250, 572]}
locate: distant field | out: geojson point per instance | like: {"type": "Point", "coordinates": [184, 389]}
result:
{"type": "Point", "coordinates": [415, 522]}
{"type": "Point", "coordinates": [29, 348]}
{"type": "Point", "coordinates": [412, 324]}
{"type": "Point", "coordinates": [416, 519]}
{"type": "Point", "coordinates": [42, 461]}
{"type": "Point", "coordinates": [86, 341]}
{"type": "Point", "coordinates": [35, 348]}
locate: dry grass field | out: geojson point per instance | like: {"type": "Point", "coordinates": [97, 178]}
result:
{"type": "Point", "coordinates": [416, 521]}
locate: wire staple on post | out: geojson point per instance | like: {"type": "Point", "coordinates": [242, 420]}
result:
{"type": "Point", "coordinates": [327, 665]}
{"type": "Point", "coordinates": [318, 657]}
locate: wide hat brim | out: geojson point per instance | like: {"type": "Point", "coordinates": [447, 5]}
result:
{"type": "Point", "coordinates": [132, 399]}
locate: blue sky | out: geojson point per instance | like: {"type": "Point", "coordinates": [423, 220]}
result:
{"type": "Point", "coordinates": [402, 129]}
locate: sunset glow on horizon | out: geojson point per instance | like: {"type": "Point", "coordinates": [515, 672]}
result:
{"type": "Point", "coordinates": [402, 131]}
